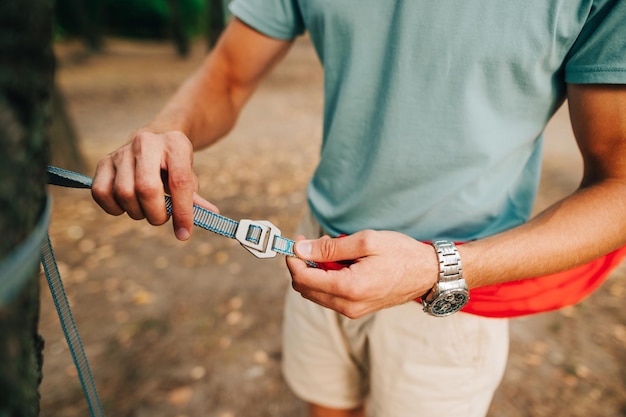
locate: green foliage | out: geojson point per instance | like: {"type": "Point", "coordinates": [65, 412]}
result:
{"type": "Point", "coordinates": [141, 18]}
{"type": "Point", "coordinates": [130, 18]}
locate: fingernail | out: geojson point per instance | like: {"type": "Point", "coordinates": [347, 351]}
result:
{"type": "Point", "coordinates": [304, 248]}
{"type": "Point", "coordinates": [182, 233]}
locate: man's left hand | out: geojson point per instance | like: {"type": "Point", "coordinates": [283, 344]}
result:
{"type": "Point", "coordinates": [386, 269]}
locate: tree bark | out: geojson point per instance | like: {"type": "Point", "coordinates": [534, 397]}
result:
{"type": "Point", "coordinates": [26, 72]}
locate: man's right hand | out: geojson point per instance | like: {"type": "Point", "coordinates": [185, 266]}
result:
{"type": "Point", "coordinates": [205, 107]}
{"type": "Point", "coordinates": [134, 178]}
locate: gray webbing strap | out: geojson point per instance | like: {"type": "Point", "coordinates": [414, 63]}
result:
{"type": "Point", "coordinates": [69, 329]}
{"type": "Point", "coordinates": [23, 261]}
{"type": "Point", "coordinates": [260, 237]}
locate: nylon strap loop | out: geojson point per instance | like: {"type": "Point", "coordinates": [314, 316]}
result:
{"type": "Point", "coordinates": [69, 329]}
{"type": "Point", "coordinates": [20, 264]}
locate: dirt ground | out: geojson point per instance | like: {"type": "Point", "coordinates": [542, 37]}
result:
{"type": "Point", "coordinates": [193, 329]}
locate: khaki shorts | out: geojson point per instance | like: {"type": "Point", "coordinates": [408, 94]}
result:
{"type": "Point", "coordinates": [400, 362]}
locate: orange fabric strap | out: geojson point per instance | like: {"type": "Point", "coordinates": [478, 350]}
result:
{"type": "Point", "coordinates": [545, 293]}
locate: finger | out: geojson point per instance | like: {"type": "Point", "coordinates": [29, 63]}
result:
{"type": "Point", "coordinates": [149, 188]}
{"type": "Point", "coordinates": [296, 265]}
{"type": "Point", "coordinates": [318, 297]}
{"type": "Point", "coordinates": [326, 249]}
{"type": "Point", "coordinates": [341, 291]}
{"type": "Point", "coordinates": [197, 200]}
{"type": "Point", "coordinates": [102, 187]}
{"type": "Point", "coordinates": [349, 308]}
{"type": "Point", "coordinates": [124, 184]}
{"type": "Point", "coordinates": [298, 268]}
{"type": "Point", "coordinates": [338, 283]}
{"type": "Point", "coordinates": [181, 183]}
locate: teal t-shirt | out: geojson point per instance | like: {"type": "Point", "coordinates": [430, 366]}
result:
{"type": "Point", "coordinates": [434, 110]}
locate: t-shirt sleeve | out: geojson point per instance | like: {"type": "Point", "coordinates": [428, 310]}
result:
{"type": "Point", "coordinates": [280, 19]}
{"type": "Point", "coordinates": [599, 54]}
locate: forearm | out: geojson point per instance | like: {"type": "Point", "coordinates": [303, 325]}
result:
{"type": "Point", "coordinates": [581, 227]}
{"type": "Point", "coordinates": [207, 105]}
{"type": "Point", "coordinates": [576, 230]}
{"type": "Point", "coordinates": [203, 108]}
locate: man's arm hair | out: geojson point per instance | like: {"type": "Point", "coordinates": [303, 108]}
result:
{"type": "Point", "coordinates": [581, 227]}
{"type": "Point", "coordinates": [207, 105]}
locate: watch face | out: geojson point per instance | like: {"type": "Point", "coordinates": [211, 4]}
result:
{"type": "Point", "coordinates": [449, 302]}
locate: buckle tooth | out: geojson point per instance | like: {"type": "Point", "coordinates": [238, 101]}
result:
{"type": "Point", "coordinates": [254, 234]}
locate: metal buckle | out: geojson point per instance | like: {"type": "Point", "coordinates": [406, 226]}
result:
{"type": "Point", "coordinates": [261, 245]}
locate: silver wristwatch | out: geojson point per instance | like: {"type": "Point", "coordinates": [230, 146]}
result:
{"type": "Point", "coordinates": [450, 293]}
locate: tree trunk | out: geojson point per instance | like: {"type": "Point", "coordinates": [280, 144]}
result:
{"type": "Point", "coordinates": [177, 27]}
{"type": "Point", "coordinates": [88, 21]}
{"type": "Point", "coordinates": [26, 71]}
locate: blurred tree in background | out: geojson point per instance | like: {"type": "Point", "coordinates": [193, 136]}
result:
{"type": "Point", "coordinates": [81, 18]}
{"type": "Point", "coordinates": [216, 21]}
{"type": "Point", "coordinates": [177, 20]}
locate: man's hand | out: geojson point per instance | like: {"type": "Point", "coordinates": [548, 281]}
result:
{"type": "Point", "coordinates": [158, 159]}
{"type": "Point", "coordinates": [134, 178]}
{"type": "Point", "coordinates": [389, 268]}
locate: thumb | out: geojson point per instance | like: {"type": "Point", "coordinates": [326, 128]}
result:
{"type": "Point", "coordinates": [326, 249]}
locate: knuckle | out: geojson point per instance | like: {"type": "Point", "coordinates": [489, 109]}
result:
{"type": "Point", "coordinates": [305, 293]}
{"type": "Point", "coordinates": [356, 292]}
{"type": "Point", "coordinates": [367, 241]}
{"type": "Point", "coordinates": [182, 181]}
{"type": "Point", "coordinates": [142, 142]}
{"type": "Point", "coordinates": [135, 215]}
{"type": "Point", "coordinates": [145, 188]}
{"type": "Point", "coordinates": [177, 142]}
{"type": "Point", "coordinates": [140, 138]}
{"type": "Point", "coordinates": [327, 248]}
{"type": "Point", "coordinates": [297, 285]}
{"type": "Point", "coordinates": [351, 311]}
{"type": "Point", "coordinates": [180, 139]}
{"type": "Point", "coordinates": [103, 163]}
{"type": "Point", "coordinates": [124, 194]}
{"type": "Point", "coordinates": [120, 158]}
{"type": "Point", "coordinates": [157, 220]}
{"type": "Point", "coordinates": [349, 314]}
{"type": "Point", "coordinates": [99, 191]}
